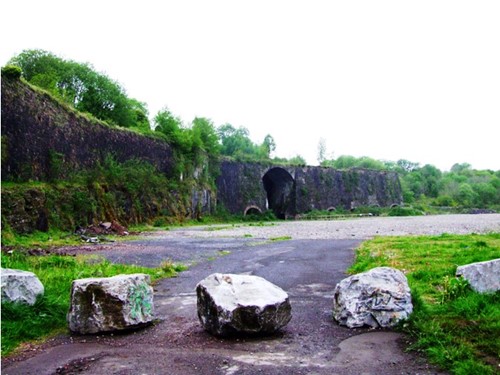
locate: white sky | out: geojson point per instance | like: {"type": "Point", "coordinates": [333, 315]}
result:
{"type": "Point", "coordinates": [392, 80]}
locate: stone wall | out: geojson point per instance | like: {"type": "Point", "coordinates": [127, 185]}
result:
{"type": "Point", "coordinates": [39, 132]}
{"type": "Point", "coordinates": [41, 136]}
{"type": "Point", "coordinates": [294, 190]}
{"type": "Point", "coordinates": [43, 139]}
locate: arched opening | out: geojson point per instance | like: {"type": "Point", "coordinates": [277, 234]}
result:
{"type": "Point", "coordinates": [252, 210]}
{"type": "Point", "coordinates": [280, 189]}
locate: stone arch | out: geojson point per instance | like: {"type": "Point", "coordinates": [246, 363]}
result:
{"type": "Point", "coordinates": [331, 209]}
{"type": "Point", "coordinates": [252, 210]}
{"type": "Point", "coordinates": [280, 190]}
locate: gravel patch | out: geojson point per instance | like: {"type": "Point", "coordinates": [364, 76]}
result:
{"type": "Point", "coordinates": [358, 228]}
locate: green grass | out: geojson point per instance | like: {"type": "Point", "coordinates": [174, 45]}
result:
{"type": "Point", "coordinates": [41, 240]}
{"type": "Point", "coordinates": [455, 327]}
{"type": "Point", "coordinates": [21, 323]}
{"type": "Point", "coordinates": [282, 238]}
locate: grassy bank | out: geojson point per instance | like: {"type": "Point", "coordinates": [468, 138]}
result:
{"type": "Point", "coordinates": [22, 323]}
{"type": "Point", "coordinates": [455, 327]}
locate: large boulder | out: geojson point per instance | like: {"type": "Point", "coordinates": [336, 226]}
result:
{"type": "Point", "coordinates": [20, 286]}
{"type": "Point", "coordinates": [110, 303]}
{"type": "Point", "coordinates": [483, 277]}
{"type": "Point", "coordinates": [378, 298]}
{"type": "Point", "coordinates": [230, 304]}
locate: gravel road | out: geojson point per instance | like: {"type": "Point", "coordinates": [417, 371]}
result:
{"type": "Point", "coordinates": [359, 228]}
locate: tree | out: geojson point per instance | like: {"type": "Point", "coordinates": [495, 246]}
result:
{"type": "Point", "coordinates": [268, 146]}
{"type": "Point", "coordinates": [407, 166]}
{"type": "Point", "coordinates": [204, 131]}
{"type": "Point", "coordinates": [321, 151]}
{"type": "Point", "coordinates": [79, 85]}
{"type": "Point", "coordinates": [168, 124]}
{"type": "Point", "coordinates": [466, 195]}
{"type": "Point", "coordinates": [344, 162]}
{"type": "Point", "coordinates": [235, 142]}
{"type": "Point", "coordinates": [460, 167]}
{"type": "Point", "coordinates": [431, 176]}
{"type": "Point", "coordinates": [297, 160]}
{"type": "Point", "coordinates": [141, 114]}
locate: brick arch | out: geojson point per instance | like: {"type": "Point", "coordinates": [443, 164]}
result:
{"type": "Point", "coordinates": [252, 209]}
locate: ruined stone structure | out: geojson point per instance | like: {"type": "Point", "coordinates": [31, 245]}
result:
{"type": "Point", "coordinates": [288, 190]}
{"type": "Point", "coordinates": [36, 129]}
{"type": "Point", "coordinates": [40, 135]}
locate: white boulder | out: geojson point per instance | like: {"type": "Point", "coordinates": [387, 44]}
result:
{"type": "Point", "coordinates": [20, 286]}
{"type": "Point", "coordinates": [377, 298]}
{"type": "Point", "coordinates": [230, 304]}
{"type": "Point", "coordinates": [110, 303]}
{"type": "Point", "coordinates": [483, 277]}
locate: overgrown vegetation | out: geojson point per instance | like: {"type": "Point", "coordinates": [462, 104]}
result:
{"type": "Point", "coordinates": [22, 323]}
{"type": "Point", "coordinates": [79, 85]}
{"type": "Point", "coordinates": [362, 211]}
{"type": "Point", "coordinates": [459, 189]}
{"type": "Point", "coordinates": [455, 327]}
{"type": "Point", "coordinates": [200, 140]}
{"type": "Point", "coordinates": [132, 192]}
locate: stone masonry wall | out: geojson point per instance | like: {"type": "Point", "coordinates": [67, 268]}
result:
{"type": "Point", "coordinates": [35, 127]}
{"type": "Point", "coordinates": [240, 186]}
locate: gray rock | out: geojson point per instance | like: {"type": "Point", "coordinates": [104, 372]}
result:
{"type": "Point", "coordinates": [20, 286]}
{"type": "Point", "coordinates": [377, 298]}
{"type": "Point", "coordinates": [229, 304]}
{"type": "Point", "coordinates": [110, 303]}
{"type": "Point", "coordinates": [483, 277]}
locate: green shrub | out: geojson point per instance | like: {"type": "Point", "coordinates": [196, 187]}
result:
{"type": "Point", "coordinates": [11, 71]}
{"type": "Point", "coordinates": [404, 211]}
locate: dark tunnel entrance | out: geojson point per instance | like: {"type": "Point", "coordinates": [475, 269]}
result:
{"type": "Point", "coordinates": [280, 189]}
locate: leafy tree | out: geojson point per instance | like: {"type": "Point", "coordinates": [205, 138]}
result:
{"type": "Point", "coordinates": [171, 126]}
{"type": "Point", "coordinates": [431, 176]}
{"type": "Point", "coordinates": [460, 168]}
{"type": "Point", "coordinates": [297, 160]}
{"type": "Point", "coordinates": [204, 131]}
{"type": "Point", "coordinates": [407, 166]}
{"type": "Point", "coordinates": [466, 195]}
{"type": "Point", "coordinates": [79, 85]}
{"type": "Point", "coordinates": [485, 194]}
{"type": "Point", "coordinates": [268, 146]}
{"type": "Point", "coordinates": [141, 115]}
{"type": "Point", "coordinates": [234, 141]}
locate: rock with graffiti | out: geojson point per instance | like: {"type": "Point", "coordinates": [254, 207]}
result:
{"type": "Point", "coordinates": [110, 303]}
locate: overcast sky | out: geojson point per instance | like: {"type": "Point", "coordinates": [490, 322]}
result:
{"type": "Point", "coordinates": [392, 80]}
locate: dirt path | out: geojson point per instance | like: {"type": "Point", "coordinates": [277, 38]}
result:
{"type": "Point", "coordinates": [311, 343]}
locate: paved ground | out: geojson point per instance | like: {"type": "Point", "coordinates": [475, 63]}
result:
{"type": "Point", "coordinates": [308, 266]}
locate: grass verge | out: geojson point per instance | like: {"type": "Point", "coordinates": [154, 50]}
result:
{"type": "Point", "coordinates": [455, 327]}
{"type": "Point", "coordinates": [21, 323]}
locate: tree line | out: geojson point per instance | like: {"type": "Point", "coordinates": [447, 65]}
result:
{"type": "Point", "coordinates": [462, 186]}
{"type": "Point", "coordinates": [79, 85]}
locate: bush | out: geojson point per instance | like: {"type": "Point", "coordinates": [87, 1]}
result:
{"type": "Point", "coordinates": [404, 211]}
{"type": "Point", "coordinates": [12, 72]}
